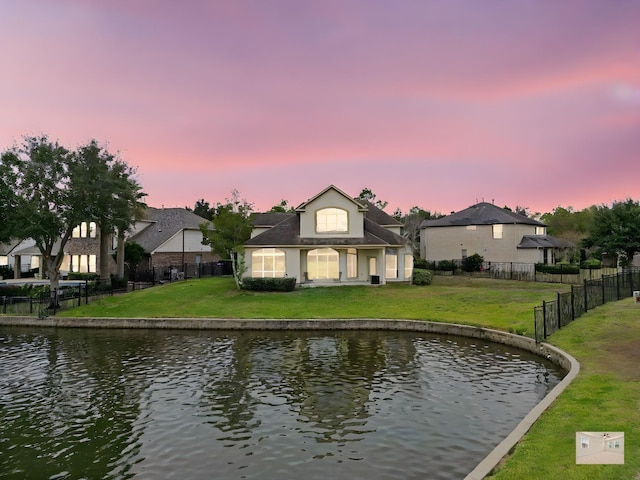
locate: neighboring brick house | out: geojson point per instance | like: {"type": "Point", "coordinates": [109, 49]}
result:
{"type": "Point", "coordinates": [329, 238]}
{"type": "Point", "coordinates": [171, 237]}
{"type": "Point", "coordinates": [497, 234]}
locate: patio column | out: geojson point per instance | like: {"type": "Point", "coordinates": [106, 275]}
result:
{"type": "Point", "coordinates": [17, 262]}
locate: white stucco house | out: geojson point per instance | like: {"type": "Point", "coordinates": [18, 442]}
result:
{"type": "Point", "coordinates": [497, 234]}
{"type": "Point", "coordinates": [330, 238]}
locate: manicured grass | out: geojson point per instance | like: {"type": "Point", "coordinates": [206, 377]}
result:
{"type": "Point", "coordinates": [606, 341]}
{"type": "Point", "coordinates": [506, 305]}
{"type": "Point", "coordinates": [605, 397]}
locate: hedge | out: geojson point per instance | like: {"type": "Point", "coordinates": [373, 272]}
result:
{"type": "Point", "coordinates": [558, 268]}
{"type": "Point", "coordinates": [259, 284]}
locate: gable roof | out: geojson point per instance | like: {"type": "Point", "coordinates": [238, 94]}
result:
{"type": "Point", "coordinates": [303, 205]}
{"type": "Point", "coordinates": [165, 223]}
{"type": "Point", "coordinates": [287, 233]}
{"type": "Point", "coordinates": [481, 214]}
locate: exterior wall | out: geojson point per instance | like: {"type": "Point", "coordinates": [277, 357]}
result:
{"type": "Point", "coordinates": [447, 243]}
{"type": "Point", "coordinates": [258, 230]}
{"type": "Point", "coordinates": [331, 199]}
{"type": "Point", "coordinates": [191, 242]}
{"type": "Point", "coordinates": [85, 246]}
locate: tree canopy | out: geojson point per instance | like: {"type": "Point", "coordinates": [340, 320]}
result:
{"type": "Point", "coordinates": [368, 195]}
{"type": "Point", "coordinates": [229, 229]}
{"type": "Point", "coordinates": [52, 190]}
{"type": "Point", "coordinates": [616, 230]}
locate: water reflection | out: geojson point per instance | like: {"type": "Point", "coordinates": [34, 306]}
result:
{"type": "Point", "coordinates": [157, 404]}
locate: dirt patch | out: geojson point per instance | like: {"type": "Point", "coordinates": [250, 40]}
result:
{"type": "Point", "coordinates": [623, 358]}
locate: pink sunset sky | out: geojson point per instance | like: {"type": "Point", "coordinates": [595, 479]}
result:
{"type": "Point", "coordinates": [438, 104]}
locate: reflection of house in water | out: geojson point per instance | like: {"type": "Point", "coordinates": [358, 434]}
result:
{"type": "Point", "coordinates": [600, 447]}
{"type": "Point", "coordinates": [333, 378]}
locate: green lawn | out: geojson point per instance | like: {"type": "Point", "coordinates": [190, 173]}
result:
{"type": "Point", "coordinates": [506, 305]}
{"type": "Point", "coordinates": [606, 341]}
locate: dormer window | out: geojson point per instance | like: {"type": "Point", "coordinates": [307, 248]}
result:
{"type": "Point", "coordinates": [332, 220]}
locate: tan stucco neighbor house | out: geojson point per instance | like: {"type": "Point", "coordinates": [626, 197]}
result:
{"type": "Point", "coordinates": [330, 238]}
{"type": "Point", "coordinates": [497, 234]}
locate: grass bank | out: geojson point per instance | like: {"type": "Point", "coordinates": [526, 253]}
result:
{"type": "Point", "coordinates": [605, 397]}
{"type": "Point", "coordinates": [606, 342]}
{"type": "Point", "coordinates": [504, 305]}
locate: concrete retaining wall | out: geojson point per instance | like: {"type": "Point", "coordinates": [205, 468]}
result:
{"type": "Point", "coordinates": [559, 357]}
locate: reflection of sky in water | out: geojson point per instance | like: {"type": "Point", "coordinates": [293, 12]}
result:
{"type": "Point", "coordinates": [262, 405]}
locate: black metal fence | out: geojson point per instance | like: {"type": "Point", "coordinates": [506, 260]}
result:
{"type": "Point", "coordinates": [42, 302]}
{"type": "Point", "coordinates": [553, 315]}
{"type": "Point", "coordinates": [172, 273]}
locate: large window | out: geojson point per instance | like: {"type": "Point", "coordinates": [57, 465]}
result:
{"type": "Point", "coordinates": [408, 267]}
{"type": "Point", "coordinates": [83, 263]}
{"type": "Point", "coordinates": [391, 265]}
{"type": "Point", "coordinates": [268, 262]}
{"type": "Point", "coordinates": [322, 263]}
{"type": "Point", "coordinates": [332, 220]}
{"type": "Point", "coordinates": [85, 230]}
{"type": "Point", "coordinates": [352, 263]}
{"type": "Point", "coordinates": [497, 230]}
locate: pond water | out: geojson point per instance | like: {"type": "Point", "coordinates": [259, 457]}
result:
{"type": "Point", "coordinates": [148, 404]}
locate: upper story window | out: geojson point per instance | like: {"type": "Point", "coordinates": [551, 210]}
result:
{"type": "Point", "coordinates": [332, 220]}
{"type": "Point", "coordinates": [497, 230]}
{"type": "Point", "coordinates": [541, 231]}
{"type": "Point", "coordinates": [85, 230]}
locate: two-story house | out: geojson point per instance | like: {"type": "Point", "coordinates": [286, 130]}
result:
{"type": "Point", "coordinates": [497, 234]}
{"type": "Point", "coordinates": [330, 238]}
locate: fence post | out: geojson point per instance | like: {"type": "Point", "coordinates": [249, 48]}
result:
{"type": "Point", "coordinates": [573, 310]}
{"type": "Point", "coordinates": [586, 297]}
{"type": "Point", "coordinates": [544, 319]}
{"type": "Point", "coordinates": [618, 285]}
{"type": "Point", "coordinates": [86, 292]}
{"type": "Point", "coordinates": [79, 295]}
{"type": "Point", "coordinates": [559, 309]}
{"type": "Point", "coordinates": [602, 291]}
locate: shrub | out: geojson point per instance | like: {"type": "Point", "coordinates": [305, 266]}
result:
{"type": "Point", "coordinates": [6, 271]}
{"type": "Point", "coordinates": [420, 263]}
{"type": "Point", "coordinates": [11, 291]}
{"type": "Point", "coordinates": [591, 263]}
{"type": "Point", "coordinates": [474, 263]}
{"type": "Point", "coordinates": [558, 268]}
{"type": "Point", "coordinates": [446, 265]}
{"type": "Point", "coordinates": [259, 284]}
{"type": "Point", "coordinates": [422, 277]}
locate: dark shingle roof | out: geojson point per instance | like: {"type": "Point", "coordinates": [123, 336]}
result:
{"type": "Point", "coordinates": [166, 222]}
{"type": "Point", "coordinates": [380, 216]}
{"type": "Point", "coordinates": [287, 233]}
{"type": "Point", "coordinates": [543, 241]}
{"type": "Point", "coordinates": [481, 214]}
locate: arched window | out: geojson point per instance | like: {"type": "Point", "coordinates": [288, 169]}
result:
{"type": "Point", "coordinates": [322, 264]}
{"type": "Point", "coordinates": [332, 220]}
{"type": "Point", "coordinates": [268, 262]}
